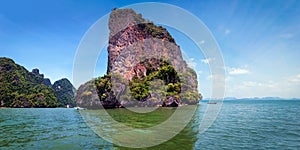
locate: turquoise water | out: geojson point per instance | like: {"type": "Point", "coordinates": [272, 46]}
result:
{"type": "Point", "coordinates": [241, 124]}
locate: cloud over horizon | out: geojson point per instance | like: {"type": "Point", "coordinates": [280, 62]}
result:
{"type": "Point", "coordinates": [238, 71]}
{"type": "Point", "coordinates": [207, 60]}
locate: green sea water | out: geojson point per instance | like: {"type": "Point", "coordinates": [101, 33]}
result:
{"type": "Point", "coordinates": [241, 124]}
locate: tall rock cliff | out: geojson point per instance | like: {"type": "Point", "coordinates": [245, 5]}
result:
{"type": "Point", "coordinates": [133, 39]}
{"type": "Point", "coordinates": [145, 67]}
{"type": "Point", "coordinates": [42, 80]}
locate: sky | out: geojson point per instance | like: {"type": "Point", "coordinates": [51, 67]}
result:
{"type": "Point", "coordinates": [259, 40]}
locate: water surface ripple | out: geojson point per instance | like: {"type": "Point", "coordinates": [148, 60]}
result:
{"type": "Point", "coordinates": [241, 124]}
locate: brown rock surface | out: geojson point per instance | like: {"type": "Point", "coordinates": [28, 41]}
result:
{"type": "Point", "coordinates": [135, 45]}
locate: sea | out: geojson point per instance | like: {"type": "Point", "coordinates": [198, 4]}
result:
{"type": "Point", "coordinates": [240, 124]}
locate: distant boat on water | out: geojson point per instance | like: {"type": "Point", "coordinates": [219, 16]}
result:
{"type": "Point", "coordinates": [211, 102]}
{"type": "Point", "coordinates": [79, 108]}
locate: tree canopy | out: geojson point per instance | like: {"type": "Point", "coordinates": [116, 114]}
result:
{"type": "Point", "coordinates": [20, 88]}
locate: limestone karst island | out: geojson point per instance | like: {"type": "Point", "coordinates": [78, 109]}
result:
{"type": "Point", "coordinates": [145, 68]}
{"type": "Point", "coordinates": [20, 88]}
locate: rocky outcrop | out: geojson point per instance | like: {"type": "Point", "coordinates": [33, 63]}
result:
{"type": "Point", "coordinates": [132, 39]}
{"type": "Point", "coordinates": [141, 56]}
{"type": "Point", "coordinates": [41, 78]}
{"type": "Point", "coordinates": [63, 89]}
{"type": "Point", "coordinates": [87, 97]}
{"type": "Point", "coordinates": [20, 88]}
{"type": "Point", "coordinates": [64, 92]}
{"type": "Point", "coordinates": [47, 82]}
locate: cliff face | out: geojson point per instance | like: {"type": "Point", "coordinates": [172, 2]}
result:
{"type": "Point", "coordinates": [41, 80]}
{"type": "Point", "coordinates": [132, 40]}
{"type": "Point", "coordinates": [144, 64]}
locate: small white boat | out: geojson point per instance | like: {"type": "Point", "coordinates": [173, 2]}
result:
{"type": "Point", "coordinates": [79, 108]}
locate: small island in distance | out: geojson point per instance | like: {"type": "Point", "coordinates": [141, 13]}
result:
{"type": "Point", "coordinates": [20, 88]}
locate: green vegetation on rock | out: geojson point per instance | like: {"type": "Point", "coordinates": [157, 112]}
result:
{"type": "Point", "coordinates": [103, 85]}
{"type": "Point", "coordinates": [157, 70]}
{"type": "Point", "coordinates": [64, 92]}
{"type": "Point", "coordinates": [161, 78]}
{"type": "Point", "coordinates": [20, 88]}
{"type": "Point", "coordinates": [156, 31]}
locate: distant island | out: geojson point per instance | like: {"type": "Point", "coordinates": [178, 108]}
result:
{"type": "Point", "coordinates": [20, 88]}
{"type": "Point", "coordinates": [145, 68]}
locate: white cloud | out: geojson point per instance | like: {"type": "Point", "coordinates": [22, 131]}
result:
{"type": "Point", "coordinates": [295, 79]}
{"type": "Point", "coordinates": [207, 60]}
{"type": "Point", "coordinates": [209, 77]}
{"type": "Point", "coordinates": [269, 84]}
{"type": "Point", "coordinates": [287, 87]}
{"type": "Point", "coordinates": [238, 71]}
{"type": "Point", "coordinates": [250, 83]}
{"type": "Point", "coordinates": [227, 31]}
{"type": "Point", "coordinates": [191, 62]}
{"type": "Point", "coordinates": [201, 42]}
{"type": "Point", "coordinates": [217, 77]}
{"type": "Point", "coordinates": [252, 89]}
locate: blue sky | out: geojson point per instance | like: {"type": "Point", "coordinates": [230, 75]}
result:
{"type": "Point", "coordinates": [259, 40]}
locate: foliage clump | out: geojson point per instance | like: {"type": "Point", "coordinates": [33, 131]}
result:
{"type": "Point", "coordinates": [103, 86]}
{"type": "Point", "coordinates": [161, 79]}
